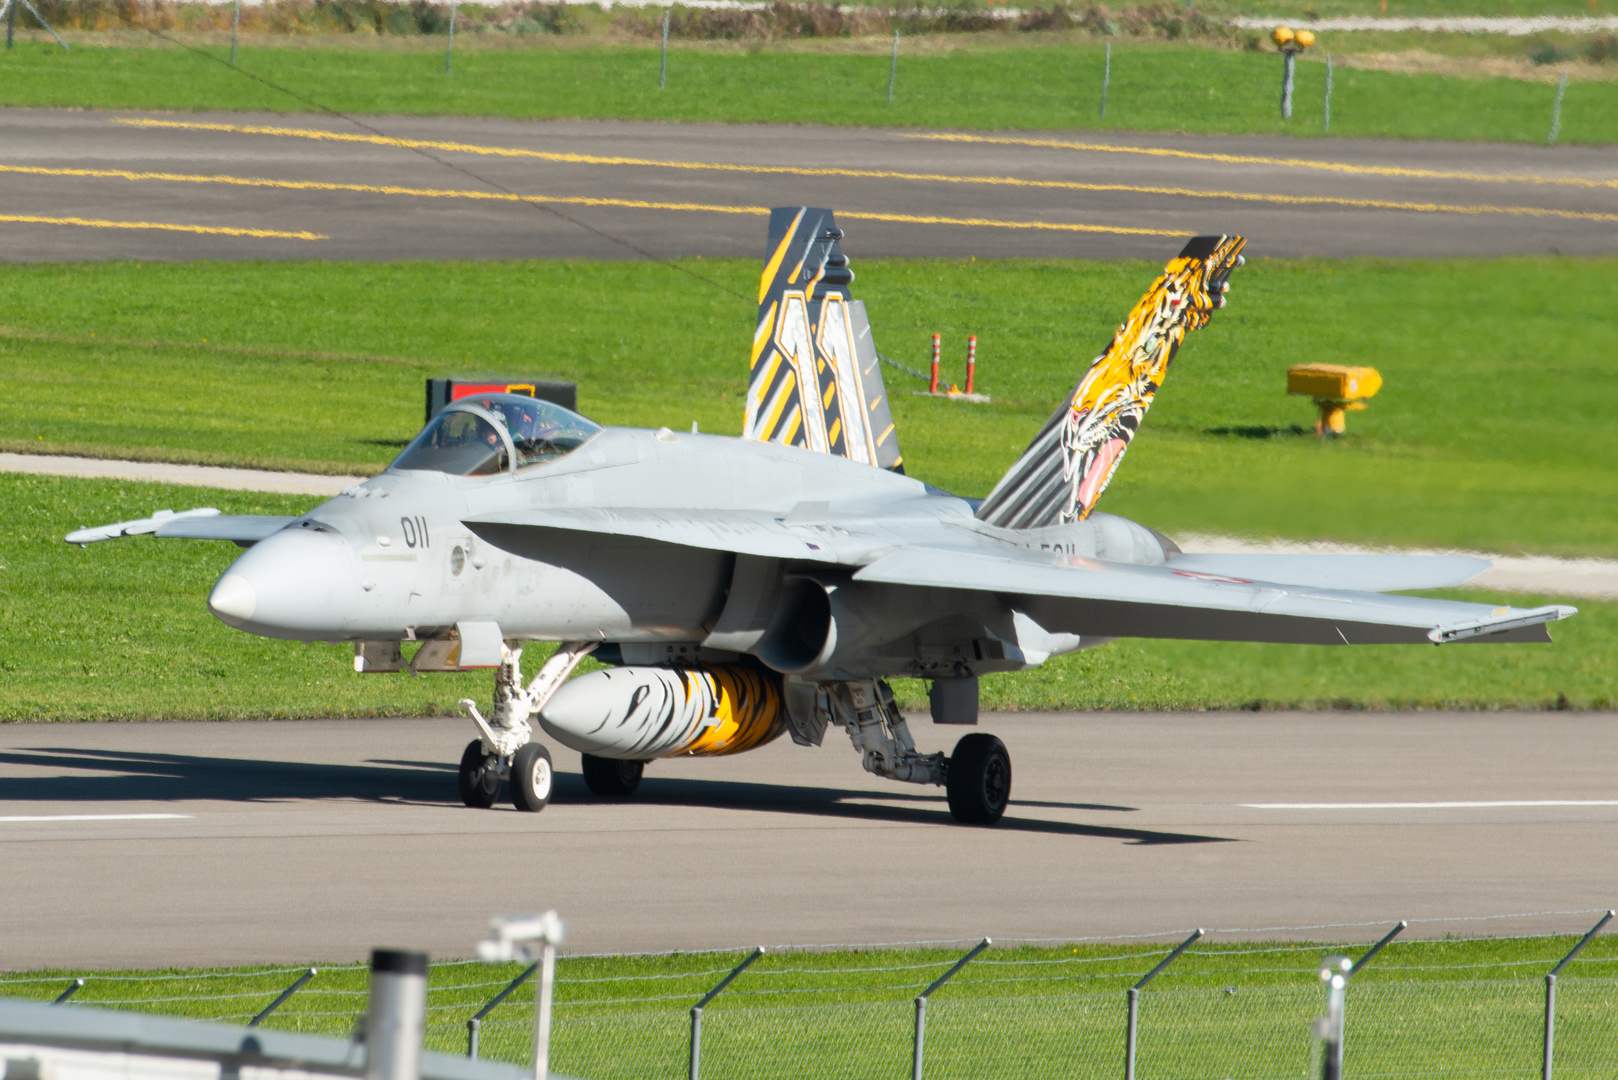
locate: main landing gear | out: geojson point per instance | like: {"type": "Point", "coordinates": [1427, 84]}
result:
{"type": "Point", "coordinates": [976, 778]}
{"type": "Point", "coordinates": [978, 782]}
{"type": "Point", "coordinates": [611, 778]}
{"type": "Point", "coordinates": [504, 750]}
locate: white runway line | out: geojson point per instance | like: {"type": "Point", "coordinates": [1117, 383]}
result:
{"type": "Point", "coordinates": [1490, 804]}
{"type": "Point", "coordinates": [93, 817]}
{"type": "Point", "coordinates": [1596, 579]}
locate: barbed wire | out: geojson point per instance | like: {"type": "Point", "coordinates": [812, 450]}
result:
{"type": "Point", "coordinates": [906, 368]}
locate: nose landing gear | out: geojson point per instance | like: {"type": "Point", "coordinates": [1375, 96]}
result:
{"type": "Point", "coordinates": [480, 776]}
{"type": "Point", "coordinates": [504, 750]}
{"type": "Point", "coordinates": [531, 777]}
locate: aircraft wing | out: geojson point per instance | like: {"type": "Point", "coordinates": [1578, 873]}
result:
{"type": "Point", "coordinates": [743, 532]}
{"type": "Point", "coordinates": [1360, 573]}
{"type": "Point", "coordinates": [203, 523]}
{"type": "Point", "coordinates": [1092, 598]}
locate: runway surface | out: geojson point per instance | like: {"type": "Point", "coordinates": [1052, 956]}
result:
{"type": "Point", "coordinates": [307, 841]}
{"type": "Point", "coordinates": [97, 185]}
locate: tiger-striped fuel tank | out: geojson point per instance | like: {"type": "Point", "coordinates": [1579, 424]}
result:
{"type": "Point", "coordinates": [640, 713]}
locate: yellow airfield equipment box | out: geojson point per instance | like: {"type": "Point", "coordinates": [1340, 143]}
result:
{"type": "Point", "coordinates": [1336, 389]}
{"type": "Point", "coordinates": [1333, 382]}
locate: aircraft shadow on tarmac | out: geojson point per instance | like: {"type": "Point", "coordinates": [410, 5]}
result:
{"type": "Point", "coordinates": [137, 776]}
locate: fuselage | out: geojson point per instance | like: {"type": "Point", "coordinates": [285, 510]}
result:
{"type": "Point", "coordinates": [409, 554]}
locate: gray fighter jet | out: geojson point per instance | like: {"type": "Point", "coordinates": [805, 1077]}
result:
{"type": "Point", "coordinates": [741, 589]}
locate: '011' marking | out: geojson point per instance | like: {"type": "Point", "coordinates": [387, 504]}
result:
{"type": "Point", "coordinates": [415, 531]}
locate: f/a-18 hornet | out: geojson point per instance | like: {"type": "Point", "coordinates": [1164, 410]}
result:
{"type": "Point", "coordinates": [738, 589]}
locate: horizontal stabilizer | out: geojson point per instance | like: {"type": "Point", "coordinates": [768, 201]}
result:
{"type": "Point", "coordinates": [1359, 573]}
{"type": "Point", "coordinates": [203, 523]}
{"type": "Point", "coordinates": [241, 528]}
{"type": "Point", "coordinates": [1098, 599]}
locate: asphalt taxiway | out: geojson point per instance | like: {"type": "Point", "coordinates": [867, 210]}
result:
{"type": "Point", "coordinates": [151, 844]}
{"type": "Point", "coordinates": [97, 185]}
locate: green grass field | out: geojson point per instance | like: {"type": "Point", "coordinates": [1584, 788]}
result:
{"type": "Point", "coordinates": [982, 81]}
{"type": "Point", "coordinates": [1451, 1008]}
{"type": "Point", "coordinates": [1491, 433]}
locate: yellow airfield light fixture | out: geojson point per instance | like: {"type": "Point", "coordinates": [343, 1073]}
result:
{"type": "Point", "coordinates": [1291, 42]}
{"type": "Point", "coordinates": [1336, 389]}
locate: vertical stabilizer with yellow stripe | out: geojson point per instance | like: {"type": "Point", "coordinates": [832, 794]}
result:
{"type": "Point", "coordinates": [815, 379]}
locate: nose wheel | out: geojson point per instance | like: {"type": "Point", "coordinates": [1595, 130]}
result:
{"type": "Point", "coordinates": [480, 777]}
{"type": "Point", "coordinates": [529, 773]}
{"type": "Point", "coordinates": [531, 778]}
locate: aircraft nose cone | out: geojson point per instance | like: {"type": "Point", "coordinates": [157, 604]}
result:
{"type": "Point", "coordinates": [233, 600]}
{"type": "Point", "coordinates": [295, 584]}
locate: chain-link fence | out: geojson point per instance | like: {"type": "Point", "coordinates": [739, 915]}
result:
{"type": "Point", "coordinates": [1454, 1007]}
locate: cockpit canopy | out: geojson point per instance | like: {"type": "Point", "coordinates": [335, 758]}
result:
{"type": "Point", "coordinates": [477, 436]}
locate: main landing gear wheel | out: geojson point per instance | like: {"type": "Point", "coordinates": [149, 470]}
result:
{"type": "Point", "coordinates": [480, 779]}
{"type": "Point", "coordinates": [979, 779]}
{"type": "Point", "coordinates": [531, 778]}
{"type": "Point", "coordinates": [611, 778]}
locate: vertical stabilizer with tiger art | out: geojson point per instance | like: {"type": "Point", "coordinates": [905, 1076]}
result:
{"type": "Point", "coordinates": [815, 380]}
{"type": "Point", "coordinates": [1062, 474]}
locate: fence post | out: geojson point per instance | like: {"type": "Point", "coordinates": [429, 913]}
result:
{"type": "Point", "coordinates": [893, 66]}
{"type": "Point", "coordinates": [474, 1026]}
{"type": "Point", "coordinates": [395, 1014]}
{"type": "Point", "coordinates": [282, 1000]}
{"type": "Point", "coordinates": [921, 1006]}
{"type": "Point", "coordinates": [542, 1011]}
{"type": "Point", "coordinates": [449, 52]}
{"type": "Point", "coordinates": [696, 1010]}
{"type": "Point", "coordinates": [515, 937]}
{"type": "Point", "coordinates": [1134, 1000]}
{"type": "Point", "coordinates": [1550, 986]}
{"type": "Point", "coordinates": [1556, 109]}
{"type": "Point", "coordinates": [1106, 77]}
{"type": "Point", "coordinates": [663, 59]}
{"type": "Point", "coordinates": [1334, 973]}
{"type": "Point", "coordinates": [235, 23]}
{"type": "Point", "coordinates": [1378, 947]}
{"type": "Point", "coordinates": [1326, 127]}
{"type": "Point", "coordinates": [1289, 65]}
{"type": "Point", "coordinates": [72, 988]}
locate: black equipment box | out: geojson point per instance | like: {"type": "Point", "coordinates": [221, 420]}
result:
{"type": "Point", "coordinates": [441, 392]}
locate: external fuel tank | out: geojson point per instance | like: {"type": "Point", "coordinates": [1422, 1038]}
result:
{"type": "Point", "coordinates": [640, 713]}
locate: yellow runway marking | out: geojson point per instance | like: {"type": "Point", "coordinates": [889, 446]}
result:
{"type": "Point", "coordinates": [885, 174]}
{"type": "Point", "coordinates": [103, 223]}
{"type": "Point", "coordinates": [570, 200]}
{"type": "Point", "coordinates": [1291, 163]}
{"type": "Point", "coordinates": [1057, 226]}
